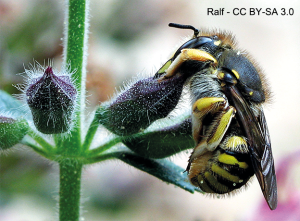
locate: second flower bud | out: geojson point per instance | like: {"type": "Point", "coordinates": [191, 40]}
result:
{"type": "Point", "coordinates": [144, 102]}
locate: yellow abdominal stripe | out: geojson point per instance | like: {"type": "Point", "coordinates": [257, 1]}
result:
{"type": "Point", "coordinates": [214, 182]}
{"type": "Point", "coordinates": [231, 160]}
{"type": "Point", "coordinates": [225, 174]}
{"type": "Point", "coordinates": [203, 185]}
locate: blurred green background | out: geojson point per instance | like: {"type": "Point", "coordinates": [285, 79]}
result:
{"type": "Point", "coordinates": [132, 37]}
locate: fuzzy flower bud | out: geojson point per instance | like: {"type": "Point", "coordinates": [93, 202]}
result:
{"type": "Point", "coordinates": [11, 131]}
{"type": "Point", "coordinates": [144, 102]}
{"type": "Point", "coordinates": [51, 99]}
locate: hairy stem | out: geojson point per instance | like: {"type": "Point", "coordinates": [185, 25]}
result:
{"type": "Point", "coordinates": [41, 141]}
{"type": "Point", "coordinates": [69, 147]}
{"type": "Point", "coordinates": [90, 134]}
{"type": "Point", "coordinates": [69, 192]}
{"type": "Point", "coordinates": [75, 55]}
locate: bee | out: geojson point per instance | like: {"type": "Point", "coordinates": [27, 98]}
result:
{"type": "Point", "coordinates": [228, 124]}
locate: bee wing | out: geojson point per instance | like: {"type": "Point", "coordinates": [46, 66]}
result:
{"type": "Point", "coordinates": [258, 138]}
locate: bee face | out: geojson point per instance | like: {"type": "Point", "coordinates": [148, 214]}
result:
{"type": "Point", "coordinates": [232, 141]}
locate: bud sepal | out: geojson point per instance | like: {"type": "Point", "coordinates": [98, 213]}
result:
{"type": "Point", "coordinates": [51, 99]}
{"type": "Point", "coordinates": [12, 131]}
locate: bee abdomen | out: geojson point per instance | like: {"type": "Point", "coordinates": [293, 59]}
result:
{"type": "Point", "coordinates": [225, 172]}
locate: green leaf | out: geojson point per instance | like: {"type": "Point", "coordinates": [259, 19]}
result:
{"type": "Point", "coordinates": [162, 142]}
{"type": "Point", "coordinates": [9, 104]}
{"type": "Point", "coordinates": [163, 169]}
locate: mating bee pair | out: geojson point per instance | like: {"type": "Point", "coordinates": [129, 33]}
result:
{"type": "Point", "coordinates": [229, 126]}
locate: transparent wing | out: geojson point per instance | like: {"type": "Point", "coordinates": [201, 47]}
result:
{"type": "Point", "coordinates": [255, 128]}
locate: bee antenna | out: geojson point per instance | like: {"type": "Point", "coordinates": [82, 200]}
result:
{"type": "Point", "coordinates": [175, 25]}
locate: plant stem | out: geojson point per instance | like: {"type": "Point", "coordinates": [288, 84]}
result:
{"type": "Point", "coordinates": [69, 193]}
{"type": "Point", "coordinates": [90, 134]}
{"type": "Point", "coordinates": [75, 55]}
{"type": "Point", "coordinates": [75, 51]}
{"type": "Point", "coordinates": [41, 141]}
{"type": "Point", "coordinates": [37, 149]}
{"type": "Point", "coordinates": [95, 152]}
{"type": "Point", "coordinates": [69, 147]}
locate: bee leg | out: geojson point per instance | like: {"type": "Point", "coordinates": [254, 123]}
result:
{"type": "Point", "coordinates": [222, 114]}
{"type": "Point", "coordinates": [185, 55]}
{"type": "Point", "coordinates": [201, 108]}
{"type": "Point", "coordinates": [219, 127]}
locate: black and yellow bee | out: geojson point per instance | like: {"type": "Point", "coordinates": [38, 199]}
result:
{"type": "Point", "coordinates": [229, 126]}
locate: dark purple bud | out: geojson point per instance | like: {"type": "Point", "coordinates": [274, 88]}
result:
{"type": "Point", "coordinates": [144, 102]}
{"type": "Point", "coordinates": [51, 99]}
